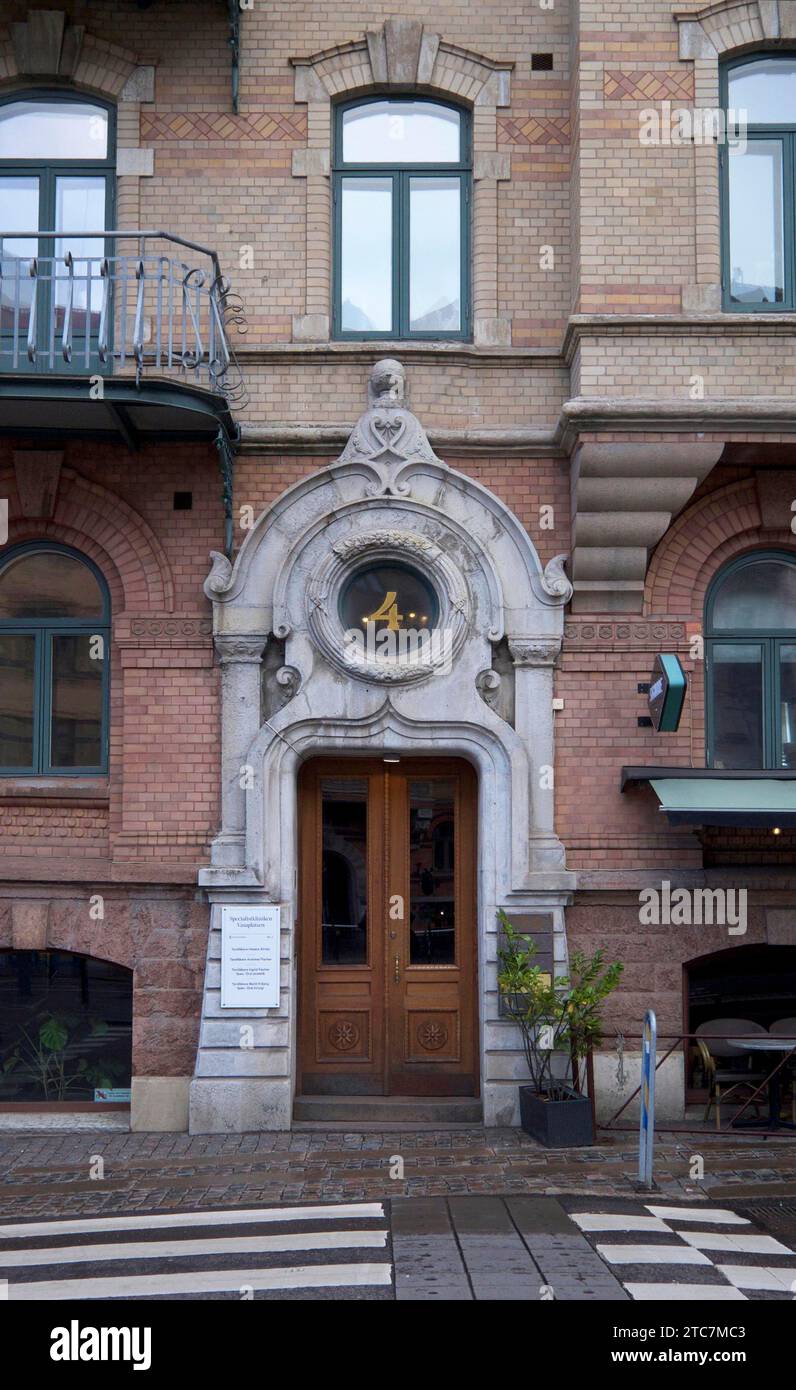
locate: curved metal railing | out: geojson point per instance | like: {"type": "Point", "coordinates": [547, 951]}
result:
{"type": "Point", "coordinates": [118, 301]}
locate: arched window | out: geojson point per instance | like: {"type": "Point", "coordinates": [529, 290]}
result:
{"type": "Point", "coordinates": [402, 174]}
{"type": "Point", "coordinates": [758, 180]}
{"type": "Point", "coordinates": [65, 1028]}
{"type": "Point", "coordinates": [750, 651]}
{"type": "Point", "coordinates": [54, 660]}
{"type": "Point", "coordinates": [57, 159]}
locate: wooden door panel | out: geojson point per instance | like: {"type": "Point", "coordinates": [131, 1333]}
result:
{"type": "Point", "coordinates": [398, 1017]}
{"type": "Point", "coordinates": [341, 1035]}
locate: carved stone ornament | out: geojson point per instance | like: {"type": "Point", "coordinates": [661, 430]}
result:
{"type": "Point", "coordinates": [388, 436]}
{"type": "Point", "coordinates": [534, 651]}
{"type": "Point", "coordinates": [288, 678]}
{"type": "Point", "coordinates": [487, 683]}
{"type": "Point", "coordinates": [348, 650]}
{"type": "Point", "coordinates": [220, 576]}
{"type": "Point", "coordinates": [555, 580]}
{"type": "Point", "coordinates": [240, 648]}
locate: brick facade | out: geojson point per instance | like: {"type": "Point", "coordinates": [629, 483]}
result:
{"type": "Point", "coordinates": [602, 346]}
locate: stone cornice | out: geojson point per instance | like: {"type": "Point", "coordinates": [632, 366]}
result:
{"type": "Point", "coordinates": [425, 353]}
{"type": "Point", "coordinates": [727, 325]}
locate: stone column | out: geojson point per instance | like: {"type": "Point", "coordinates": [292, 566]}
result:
{"type": "Point", "coordinates": [534, 659]}
{"type": "Point", "coordinates": [240, 657]}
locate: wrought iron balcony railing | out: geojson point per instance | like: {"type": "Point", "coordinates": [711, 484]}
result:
{"type": "Point", "coordinates": [126, 303]}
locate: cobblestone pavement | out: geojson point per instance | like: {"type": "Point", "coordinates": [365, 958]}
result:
{"type": "Point", "coordinates": [59, 1174]}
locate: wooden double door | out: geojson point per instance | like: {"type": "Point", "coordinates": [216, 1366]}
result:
{"type": "Point", "coordinates": [387, 928]}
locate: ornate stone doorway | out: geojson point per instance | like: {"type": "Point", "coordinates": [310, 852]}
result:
{"type": "Point", "coordinates": [318, 660]}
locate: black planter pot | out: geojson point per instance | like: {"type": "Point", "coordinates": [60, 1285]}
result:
{"type": "Point", "coordinates": [558, 1124]}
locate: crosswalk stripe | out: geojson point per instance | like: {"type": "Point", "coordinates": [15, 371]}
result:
{"type": "Point", "coordinates": [211, 1246]}
{"type": "Point", "coordinates": [702, 1214]}
{"type": "Point", "coordinates": [652, 1255]}
{"type": "Point", "coordinates": [206, 1281]}
{"type": "Point", "coordinates": [236, 1216]}
{"type": "Point", "coordinates": [756, 1277]}
{"type": "Point", "coordinates": [735, 1244]}
{"type": "Point", "coordinates": [686, 1293]}
{"type": "Point", "coordinates": [617, 1221]}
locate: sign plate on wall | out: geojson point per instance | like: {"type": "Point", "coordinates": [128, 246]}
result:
{"type": "Point", "coordinates": [667, 694]}
{"type": "Point", "coordinates": [250, 957]}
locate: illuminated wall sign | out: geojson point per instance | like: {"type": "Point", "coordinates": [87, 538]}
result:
{"type": "Point", "coordinates": [667, 694]}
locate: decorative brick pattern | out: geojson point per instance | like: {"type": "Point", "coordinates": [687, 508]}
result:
{"type": "Point", "coordinates": [219, 125]}
{"type": "Point", "coordinates": [533, 130]}
{"type": "Point", "coordinates": [649, 86]}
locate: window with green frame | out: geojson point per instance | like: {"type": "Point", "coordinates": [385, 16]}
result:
{"type": "Point", "coordinates": [402, 192]}
{"type": "Point", "coordinates": [758, 184]}
{"type": "Point", "coordinates": [57, 165]}
{"type": "Point", "coordinates": [750, 654]}
{"type": "Point", "coordinates": [54, 662]}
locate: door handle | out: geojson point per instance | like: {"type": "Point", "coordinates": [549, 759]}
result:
{"type": "Point", "coordinates": [397, 970]}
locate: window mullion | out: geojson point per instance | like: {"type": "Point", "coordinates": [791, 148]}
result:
{"type": "Point", "coordinates": [400, 255]}
{"type": "Point", "coordinates": [44, 701]}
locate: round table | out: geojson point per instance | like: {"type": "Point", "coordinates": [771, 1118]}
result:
{"type": "Point", "coordinates": [774, 1046]}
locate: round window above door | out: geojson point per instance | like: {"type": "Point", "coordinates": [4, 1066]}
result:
{"type": "Point", "coordinates": [390, 597]}
{"type": "Point", "coordinates": [388, 605]}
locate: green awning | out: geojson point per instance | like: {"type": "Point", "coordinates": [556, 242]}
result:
{"type": "Point", "coordinates": [709, 796]}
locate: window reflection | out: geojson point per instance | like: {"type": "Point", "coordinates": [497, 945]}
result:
{"type": "Point", "coordinates": [65, 1027]}
{"type": "Point", "coordinates": [757, 257]}
{"type": "Point", "coordinates": [432, 885]}
{"type": "Point", "coordinates": [738, 705]}
{"type": "Point", "coordinates": [344, 818]}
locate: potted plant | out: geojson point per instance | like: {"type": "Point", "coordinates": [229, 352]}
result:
{"type": "Point", "coordinates": [554, 1015]}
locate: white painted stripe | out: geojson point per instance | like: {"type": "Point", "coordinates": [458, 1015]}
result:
{"type": "Point", "coordinates": [686, 1293]}
{"type": "Point", "coordinates": [701, 1214]}
{"type": "Point", "coordinates": [235, 1216]}
{"type": "Point", "coordinates": [142, 1286]}
{"type": "Point", "coordinates": [757, 1277]}
{"type": "Point", "coordinates": [210, 1246]}
{"type": "Point", "coordinates": [652, 1255]}
{"type": "Point", "coordinates": [613, 1221]}
{"type": "Point", "coordinates": [734, 1244]}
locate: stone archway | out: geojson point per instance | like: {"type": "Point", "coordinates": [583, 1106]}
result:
{"type": "Point", "coordinates": [387, 495]}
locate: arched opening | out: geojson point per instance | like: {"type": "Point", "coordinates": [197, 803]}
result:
{"type": "Point", "coordinates": [54, 662]}
{"type": "Point", "coordinates": [739, 991]}
{"type": "Point", "coordinates": [65, 1029]}
{"type": "Point", "coordinates": [750, 652]}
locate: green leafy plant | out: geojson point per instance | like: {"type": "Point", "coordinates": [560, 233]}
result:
{"type": "Point", "coordinates": [42, 1052]}
{"type": "Point", "coordinates": [562, 1014]}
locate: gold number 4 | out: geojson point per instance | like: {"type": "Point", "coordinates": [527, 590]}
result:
{"type": "Point", "coordinates": [389, 611]}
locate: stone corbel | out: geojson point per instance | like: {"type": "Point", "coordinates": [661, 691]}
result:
{"type": "Point", "coordinates": [624, 497]}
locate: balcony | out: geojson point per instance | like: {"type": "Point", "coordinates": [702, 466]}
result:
{"type": "Point", "coordinates": [117, 333]}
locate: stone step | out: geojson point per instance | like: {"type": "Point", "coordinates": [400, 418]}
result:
{"type": "Point", "coordinates": [412, 1110]}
